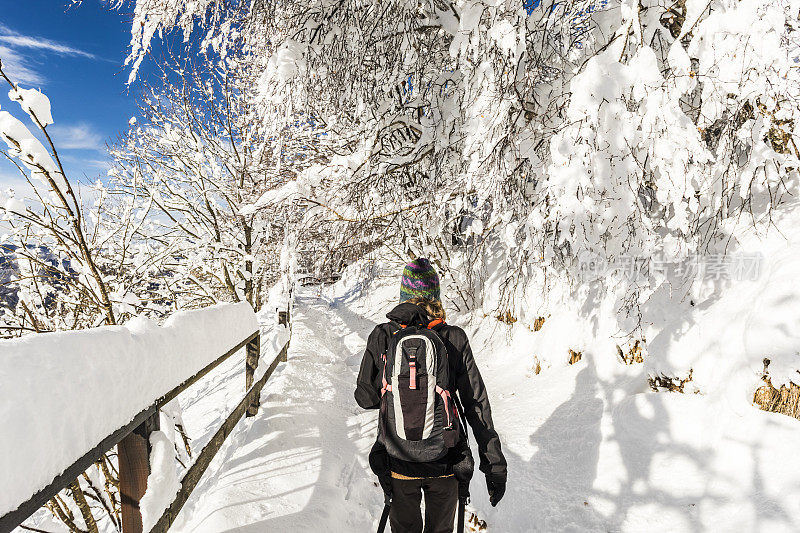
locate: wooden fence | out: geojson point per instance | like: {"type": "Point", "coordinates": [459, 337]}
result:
{"type": "Point", "coordinates": [133, 446]}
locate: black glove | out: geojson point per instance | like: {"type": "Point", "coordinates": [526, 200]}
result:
{"type": "Point", "coordinates": [379, 463]}
{"type": "Point", "coordinates": [386, 484]}
{"type": "Point", "coordinates": [496, 485]}
{"type": "Point", "coordinates": [463, 470]}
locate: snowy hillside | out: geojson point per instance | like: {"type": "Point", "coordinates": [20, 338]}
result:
{"type": "Point", "coordinates": [590, 446]}
{"type": "Point", "coordinates": [595, 448]}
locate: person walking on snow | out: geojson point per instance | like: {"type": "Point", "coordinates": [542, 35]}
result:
{"type": "Point", "coordinates": [415, 369]}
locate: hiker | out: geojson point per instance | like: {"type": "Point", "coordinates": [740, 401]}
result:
{"type": "Point", "coordinates": [422, 446]}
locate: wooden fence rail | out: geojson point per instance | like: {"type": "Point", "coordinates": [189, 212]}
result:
{"type": "Point", "coordinates": [133, 446]}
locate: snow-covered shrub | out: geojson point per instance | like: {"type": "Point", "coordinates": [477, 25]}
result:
{"type": "Point", "coordinates": [53, 268]}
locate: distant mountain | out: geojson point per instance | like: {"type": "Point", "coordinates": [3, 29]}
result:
{"type": "Point", "coordinates": [9, 268]}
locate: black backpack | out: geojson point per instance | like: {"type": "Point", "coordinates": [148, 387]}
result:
{"type": "Point", "coordinates": [418, 420]}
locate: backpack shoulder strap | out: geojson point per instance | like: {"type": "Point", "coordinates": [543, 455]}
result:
{"type": "Point", "coordinates": [394, 327]}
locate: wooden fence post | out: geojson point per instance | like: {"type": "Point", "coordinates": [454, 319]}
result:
{"type": "Point", "coordinates": [253, 352]}
{"type": "Point", "coordinates": [284, 319]}
{"type": "Point", "coordinates": [133, 454]}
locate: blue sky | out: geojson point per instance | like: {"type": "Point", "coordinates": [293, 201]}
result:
{"type": "Point", "coordinates": [75, 56]}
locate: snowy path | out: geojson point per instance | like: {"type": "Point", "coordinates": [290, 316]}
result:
{"type": "Point", "coordinates": [300, 465]}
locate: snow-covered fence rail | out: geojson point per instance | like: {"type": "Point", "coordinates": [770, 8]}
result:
{"type": "Point", "coordinates": [69, 397]}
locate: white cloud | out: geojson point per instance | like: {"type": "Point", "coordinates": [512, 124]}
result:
{"type": "Point", "coordinates": [19, 66]}
{"type": "Point", "coordinates": [102, 164]}
{"type": "Point", "coordinates": [10, 178]}
{"type": "Point", "coordinates": [80, 166]}
{"type": "Point", "coordinates": [77, 137]}
{"type": "Point", "coordinates": [23, 41]}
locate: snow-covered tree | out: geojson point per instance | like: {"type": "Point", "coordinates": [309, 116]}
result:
{"type": "Point", "coordinates": [200, 155]}
{"type": "Point", "coordinates": [476, 131]}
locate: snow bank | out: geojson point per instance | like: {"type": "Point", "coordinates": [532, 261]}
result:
{"type": "Point", "coordinates": [587, 454]}
{"type": "Point", "coordinates": [72, 389]}
{"type": "Point", "coordinates": [600, 452]}
{"type": "Point", "coordinates": [15, 205]}
{"type": "Point", "coordinates": [726, 336]}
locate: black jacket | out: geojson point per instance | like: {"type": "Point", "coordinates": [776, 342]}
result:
{"type": "Point", "coordinates": [467, 382]}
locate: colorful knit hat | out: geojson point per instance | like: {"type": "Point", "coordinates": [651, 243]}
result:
{"type": "Point", "coordinates": [419, 281]}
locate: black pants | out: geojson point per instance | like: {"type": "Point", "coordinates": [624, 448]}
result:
{"type": "Point", "coordinates": [441, 500]}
